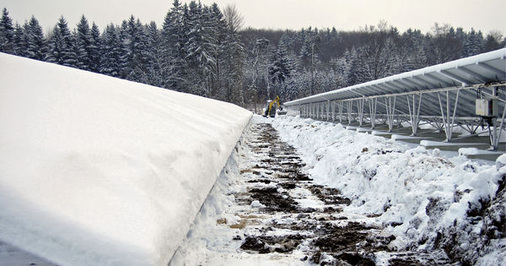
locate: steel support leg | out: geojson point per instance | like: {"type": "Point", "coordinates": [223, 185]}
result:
{"type": "Point", "coordinates": [414, 113]}
{"type": "Point", "coordinates": [350, 111]}
{"type": "Point", "coordinates": [328, 111]}
{"type": "Point", "coordinates": [361, 104]}
{"type": "Point", "coordinates": [390, 108]}
{"type": "Point", "coordinates": [333, 107]}
{"type": "Point", "coordinates": [448, 125]}
{"type": "Point", "coordinates": [373, 104]}
{"type": "Point", "coordinates": [495, 135]}
{"type": "Point", "coordinates": [340, 106]}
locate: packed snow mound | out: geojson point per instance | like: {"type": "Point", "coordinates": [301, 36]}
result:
{"type": "Point", "coordinates": [428, 201]}
{"type": "Point", "coordinates": [101, 171]}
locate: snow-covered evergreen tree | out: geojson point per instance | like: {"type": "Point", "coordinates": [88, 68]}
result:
{"type": "Point", "coordinates": [111, 50]}
{"type": "Point", "coordinates": [309, 54]}
{"type": "Point", "coordinates": [33, 39]}
{"type": "Point", "coordinates": [62, 46]}
{"type": "Point", "coordinates": [256, 70]}
{"type": "Point", "coordinates": [411, 54]}
{"type": "Point", "coordinates": [173, 38]}
{"type": "Point", "coordinates": [473, 44]}
{"type": "Point", "coordinates": [6, 33]}
{"type": "Point", "coordinates": [134, 39]}
{"type": "Point", "coordinates": [94, 49]}
{"type": "Point", "coordinates": [19, 41]}
{"type": "Point", "coordinates": [229, 64]}
{"type": "Point", "coordinates": [493, 41]}
{"type": "Point", "coordinates": [200, 49]}
{"type": "Point", "coordinates": [83, 41]}
{"type": "Point", "coordinates": [155, 75]}
{"type": "Point", "coordinates": [280, 70]}
{"type": "Point", "coordinates": [444, 44]}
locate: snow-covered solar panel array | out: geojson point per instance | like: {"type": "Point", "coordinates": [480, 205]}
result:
{"type": "Point", "coordinates": [446, 93]}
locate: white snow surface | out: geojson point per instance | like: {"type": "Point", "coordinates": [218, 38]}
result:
{"type": "Point", "coordinates": [395, 181]}
{"type": "Point", "coordinates": [101, 171]}
{"type": "Point", "coordinates": [414, 192]}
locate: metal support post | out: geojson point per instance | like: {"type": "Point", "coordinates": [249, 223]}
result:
{"type": "Point", "coordinates": [360, 105]}
{"type": "Point", "coordinates": [328, 110]}
{"type": "Point", "coordinates": [340, 106]}
{"type": "Point", "coordinates": [322, 111]}
{"type": "Point", "coordinates": [349, 109]}
{"type": "Point", "coordinates": [333, 111]}
{"type": "Point", "coordinates": [390, 107]}
{"type": "Point", "coordinates": [495, 135]}
{"type": "Point", "coordinates": [373, 103]}
{"type": "Point", "coordinates": [448, 125]}
{"type": "Point", "coordinates": [414, 113]}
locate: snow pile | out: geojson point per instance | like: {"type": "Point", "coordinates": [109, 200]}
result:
{"type": "Point", "coordinates": [101, 171]}
{"type": "Point", "coordinates": [426, 200]}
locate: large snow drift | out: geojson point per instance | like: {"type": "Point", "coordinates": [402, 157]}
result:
{"type": "Point", "coordinates": [100, 171]}
{"type": "Point", "coordinates": [428, 201]}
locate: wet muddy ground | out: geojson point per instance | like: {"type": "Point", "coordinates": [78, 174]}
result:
{"type": "Point", "coordinates": [291, 213]}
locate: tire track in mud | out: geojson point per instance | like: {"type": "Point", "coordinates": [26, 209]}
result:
{"type": "Point", "coordinates": [292, 214]}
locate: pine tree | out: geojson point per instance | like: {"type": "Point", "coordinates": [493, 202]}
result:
{"type": "Point", "coordinates": [82, 44]}
{"type": "Point", "coordinates": [231, 55]}
{"type": "Point", "coordinates": [33, 38]}
{"type": "Point", "coordinates": [62, 46]}
{"type": "Point", "coordinates": [154, 75]}
{"type": "Point", "coordinates": [493, 41]}
{"type": "Point", "coordinates": [94, 49]}
{"type": "Point", "coordinates": [411, 54]}
{"type": "Point", "coordinates": [198, 50]}
{"type": "Point", "coordinates": [135, 58]}
{"type": "Point", "coordinates": [309, 55]}
{"type": "Point", "coordinates": [256, 70]}
{"type": "Point", "coordinates": [6, 33]}
{"type": "Point", "coordinates": [111, 50]}
{"type": "Point", "coordinates": [173, 38]}
{"type": "Point", "coordinates": [473, 44]}
{"type": "Point", "coordinates": [281, 70]}
{"type": "Point", "coordinates": [444, 44]}
{"type": "Point", "coordinates": [20, 45]}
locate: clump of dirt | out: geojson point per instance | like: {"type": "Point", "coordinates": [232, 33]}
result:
{"type": "Point", "coordinates": [267, 244]}
{"type": "Point", "coordinates": [329, 195]}
{"type": "Point", "coordinates": [333, 238]}
{"type": "Point", "coordinates": [404, 262]}
{"type": "Point", "coordinates": [355, 259]}
{"type": "Point", "coordinates": [274, 200]}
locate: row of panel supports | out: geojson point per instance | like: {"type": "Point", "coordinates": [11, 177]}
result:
{"type": "Point", "coordinates": [354, 111]}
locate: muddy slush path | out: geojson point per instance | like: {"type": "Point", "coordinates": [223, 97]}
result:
{"type": "Point", "coordinates": [293, 213]}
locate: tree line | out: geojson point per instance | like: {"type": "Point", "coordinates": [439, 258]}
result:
{"type": "Point", "coordinates": [203, 50]}
{"type": "Point", "coordinates": [295, 64]}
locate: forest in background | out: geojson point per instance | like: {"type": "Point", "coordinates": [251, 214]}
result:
{"type": "Point", "coordinates": [204, 50]}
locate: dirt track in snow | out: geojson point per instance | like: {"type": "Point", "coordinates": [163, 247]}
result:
{"type": "Point", "coordinates": [292, 213]}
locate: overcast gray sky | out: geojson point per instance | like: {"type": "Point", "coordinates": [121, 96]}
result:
{"type": "Point", "coordinates": [484, 15]}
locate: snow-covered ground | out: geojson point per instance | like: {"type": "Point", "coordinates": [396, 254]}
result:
{"type": "Point", "coordinates": [420, 196]}
{"type": "Point", "coordinates": [101, 171]}
{"type": "Point", "coordinates": [447, 208]}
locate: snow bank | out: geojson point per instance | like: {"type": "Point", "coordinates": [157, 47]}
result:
{"type": "Point", "coordinates": [418, 195]}
{"type": "Point", "coordinates": [100, 171]}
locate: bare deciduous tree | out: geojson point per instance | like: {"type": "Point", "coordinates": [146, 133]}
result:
{"type": "Point", "coordinates": [233, 18]}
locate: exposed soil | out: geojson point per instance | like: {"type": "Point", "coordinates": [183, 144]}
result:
{"type": "Point", "coordinates": [292, 213]}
